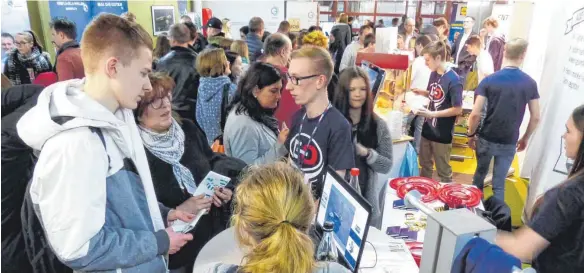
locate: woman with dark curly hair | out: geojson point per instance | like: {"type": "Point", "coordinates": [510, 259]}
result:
{"type": "Point", "coordinates": [251, 131]}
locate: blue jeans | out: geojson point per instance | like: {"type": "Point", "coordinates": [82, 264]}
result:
{"type": "Point", "coordinates": [503, 154]}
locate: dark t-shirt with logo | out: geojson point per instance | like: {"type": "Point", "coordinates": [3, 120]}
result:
{"type": "Point", "coordinates": [445, 93]}
{"type": "Point", "coordinates": [330, 145]}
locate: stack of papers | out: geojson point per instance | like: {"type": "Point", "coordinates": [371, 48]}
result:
{"type": "Point", "coordinates": [207, 187]}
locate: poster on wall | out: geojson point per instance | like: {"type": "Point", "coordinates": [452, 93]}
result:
{"type": "Point", "coordinates": [76, 11]}
{"type": "Point", "coordinates": [162, 18]}
{"type": "Point", "coordinates": [305, 12]}
{"type": "Point", "coordinates": [565, 80]}
{"type": "Point", "coordinates": [272, 12]}
{"type": "Point", "coordinates": [82, 12]}
{"type": "Point", "coordinates": [457, 19]}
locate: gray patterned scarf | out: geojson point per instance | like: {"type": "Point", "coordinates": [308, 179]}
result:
{"type": "Point", "coordinates": [170, 147]}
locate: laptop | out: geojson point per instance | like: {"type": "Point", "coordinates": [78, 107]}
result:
{"type": "Point", "coordinates": [350, 213]}
{"type": "Point", "coordinates": [376, 76]}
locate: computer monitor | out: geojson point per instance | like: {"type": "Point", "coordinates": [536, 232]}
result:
{"type": "Point", "coordinates": [376, 76]}
{"type": "Point", "coordinates": [350, 213]}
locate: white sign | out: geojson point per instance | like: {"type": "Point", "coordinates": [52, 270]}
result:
{"type": "Point", "coordinates": [567, 86]}
{"type": "Point", "coordinates": [306, 12]}
{"type": "Point", "coordinates": [239, 13]}
{"type": "Point", "coordinates": [503, 13]}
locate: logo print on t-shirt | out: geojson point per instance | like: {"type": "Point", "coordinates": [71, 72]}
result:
{"type": "Point", "coordinates": [313, 161]}
{"type": "Point", "coordinates": [436, 99]}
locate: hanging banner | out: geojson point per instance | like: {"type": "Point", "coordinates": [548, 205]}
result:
{"type": "Point", "coordinates": [81, 12]}
{"type": "Point", "coordinates": [566, 84]}
{"type": "Point", "coordinates": [75, 11]}
{"type": "Point", "coordinates": [115, 7]}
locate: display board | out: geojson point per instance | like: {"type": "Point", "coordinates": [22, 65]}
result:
{"type": "Point", "coordinates": [503, 13]}
{"type": "Point", "coordinates": [81, 12]}
{"type": "Point", "coordinates": [239, 13]}
{"type": "Point", "coordinates": [305, 12]}
{"type": "Point", "coordinates": [457, 19]}
{"type": "Point", "coordinates": [15, 16]}
{"type": "Point", "coordinates": [563, 76]}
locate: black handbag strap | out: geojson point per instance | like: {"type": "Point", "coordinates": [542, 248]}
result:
{"type": "Point", "coordinates": [224, 102]}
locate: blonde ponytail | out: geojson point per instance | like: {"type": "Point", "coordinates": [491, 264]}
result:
{"type": "Point", "coordinates": [273, 210]}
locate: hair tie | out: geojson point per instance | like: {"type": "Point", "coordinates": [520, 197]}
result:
{"type": "Point", "coordinates": [292, 224]}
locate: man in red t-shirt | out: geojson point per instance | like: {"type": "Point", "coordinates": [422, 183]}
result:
{"type": "Point", "coordinates": [277, 49]}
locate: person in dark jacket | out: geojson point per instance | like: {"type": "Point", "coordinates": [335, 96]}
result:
{"type": "Point", "coordinates": [341, 33]}
{"type": "Point", "coordinates": [68, 64]}
{"type": "Point", "coordinates": [254, 38]}
{"type": "Point", "coordinates": [18, 162]}
{"type": "Point", "coordinates": [179, 63]}
{"type": "Point", "coordinates": [179, 158]}
{"type": "Point", "coordinates": [494, 42]}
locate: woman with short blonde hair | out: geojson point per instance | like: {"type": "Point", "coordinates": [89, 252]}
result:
{"type": "Point", "coordinates": [214, 86]}
{"type": "Point", "coordinates": [273, 212]}
{"type": "Point", "coordinates": [240, 47]}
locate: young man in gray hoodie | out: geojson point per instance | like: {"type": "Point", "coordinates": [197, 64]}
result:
{"type": "Point", "coordinates": [91, 187]}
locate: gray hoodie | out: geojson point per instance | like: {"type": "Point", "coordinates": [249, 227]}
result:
{"type": "Point", "coordinates": [94, 197]}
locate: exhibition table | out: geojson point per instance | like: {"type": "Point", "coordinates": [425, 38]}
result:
{"type": "Point", "coordinates": [223, 248]}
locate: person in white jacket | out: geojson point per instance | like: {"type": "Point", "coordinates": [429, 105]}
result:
{"type": "Point", "coordinates": [91, 189]}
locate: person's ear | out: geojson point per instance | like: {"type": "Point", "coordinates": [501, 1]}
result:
{"type": "Point", "coordinates": [255, 92]}
{"type": "Point", "coordinates": [111, 67]}
{"type": "Point", "coordinates": [321, 82]}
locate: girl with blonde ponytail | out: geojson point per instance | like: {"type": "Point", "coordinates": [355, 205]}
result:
{"type": "Point", "coordinates": [273, 212]}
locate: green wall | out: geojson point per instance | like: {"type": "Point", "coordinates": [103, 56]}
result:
{"type": "Point", "coordinates": [40, 17]}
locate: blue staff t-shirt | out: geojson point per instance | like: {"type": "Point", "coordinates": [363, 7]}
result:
{"type": "Point", "coordinates": [508, 91]}
{"type": "Point", "coordinates": [445, 93]}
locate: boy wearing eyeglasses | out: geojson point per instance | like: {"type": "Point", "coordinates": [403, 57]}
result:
{"type": "Point", "coordinates": [320, 135]}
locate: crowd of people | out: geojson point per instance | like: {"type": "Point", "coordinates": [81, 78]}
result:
{"type": "Point", "coordinates": [107, 158]}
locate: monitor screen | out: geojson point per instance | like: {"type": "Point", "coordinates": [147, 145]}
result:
{"type": "Point", "coordinates": [349, 216]}
{"type": "Point", "coordinates": [376, 76]}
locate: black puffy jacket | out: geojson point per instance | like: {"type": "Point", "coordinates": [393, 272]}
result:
{"type": "Point", "coordinates": [179, 63]}
{"type": "Point", "coordinates": [18, 163]}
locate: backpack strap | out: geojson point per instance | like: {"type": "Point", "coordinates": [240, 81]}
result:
{"type": "Point", "coordinates": [224, 103]}
{"type": "Point", "coordinates": [102, 138]}
{"type": "Point", "coordinates": [232, 269]}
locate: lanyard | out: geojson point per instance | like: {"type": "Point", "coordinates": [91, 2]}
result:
{"type": "Point", "coordinates": [301, 158]}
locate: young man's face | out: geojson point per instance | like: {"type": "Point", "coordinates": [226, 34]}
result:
{"type": "Point", "coordinates": [468, 23]}
{"type": "Point", "coordinates": [473, 50]}
{"type": "Point", "coordinates": [57, 37]}
{"type": "Point", "coordinates": [432, 63]}
{"type": "Point", "coordinates": [366, 32]}
{"type": "Point", "coordinates": [307, 89]}
{"type": "Point", "coordinates": [129, 83]}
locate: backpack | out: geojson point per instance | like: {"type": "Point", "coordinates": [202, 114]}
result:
{"type": "Point", "coordinates": [37, 248]}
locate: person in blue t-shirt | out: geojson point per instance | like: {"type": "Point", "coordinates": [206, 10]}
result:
{"type": "Point", "coordinates": [507, 91]}
{"type": "Point", "coordinates": [445, 93]}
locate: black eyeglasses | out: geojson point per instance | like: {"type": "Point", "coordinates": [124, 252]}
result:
{"type": "Point", "coordinates": [295, 80]}
{"type": "Point", "coordinates": [159, 102]}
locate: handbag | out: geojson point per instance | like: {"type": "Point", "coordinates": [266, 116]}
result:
{"type": "Point", "coordinates": [217, 145]}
